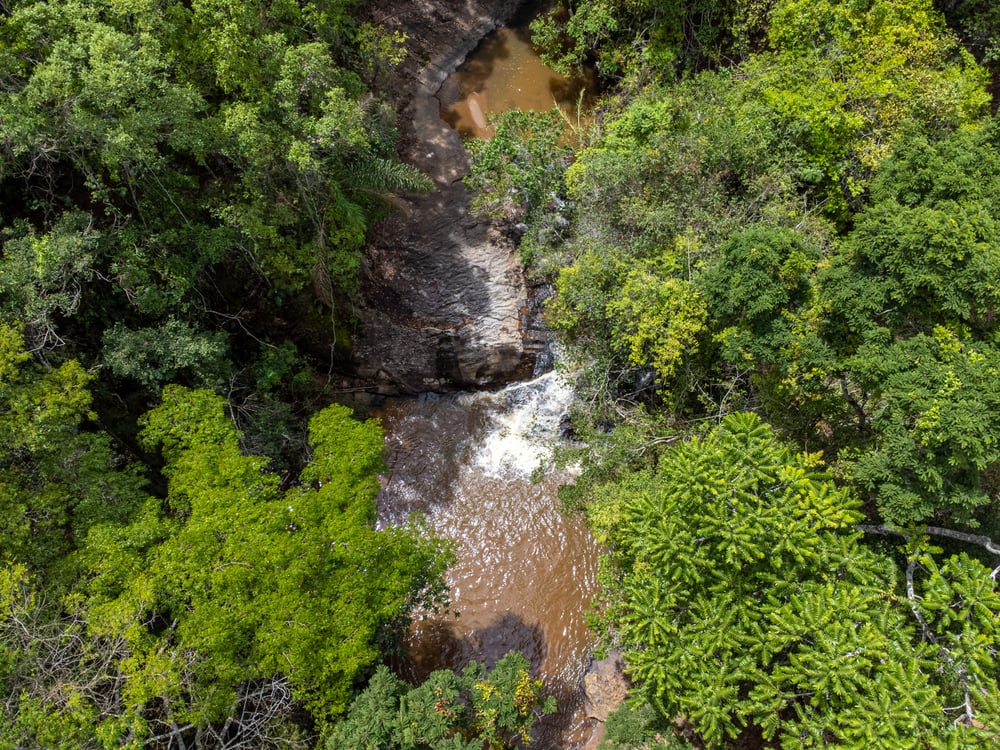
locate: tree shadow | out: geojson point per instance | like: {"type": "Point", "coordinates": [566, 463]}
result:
{"type": "Point", "coordinates": [430, 440]}
{"type": "Point", "coordinates": [434, 645]}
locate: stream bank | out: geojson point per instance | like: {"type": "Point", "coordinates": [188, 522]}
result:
{"type": "Point", "coordinates": [444, 305]}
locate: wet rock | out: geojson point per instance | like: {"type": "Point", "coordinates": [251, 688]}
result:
{"type": "Point", "coordinates": [605, 686]}
{"type": "Point", "coordinates": [443, 298]}
{"type": "Point", "coordinates": [440, 33]}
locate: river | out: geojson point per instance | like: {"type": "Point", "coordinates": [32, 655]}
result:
{"type": "Point", "coordinates": [525, 572]}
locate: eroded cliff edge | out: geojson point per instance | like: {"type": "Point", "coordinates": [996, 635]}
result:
{"type": "Point", "coordinates": [444, 303]}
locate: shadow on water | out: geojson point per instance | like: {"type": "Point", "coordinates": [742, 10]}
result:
{"type": "Point", "coordinates": [435, 644]}
{"type": "Point", "coordinates": [422, 472]}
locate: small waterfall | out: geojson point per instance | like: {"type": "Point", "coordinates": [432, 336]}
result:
{"type": "Point", "coordinates": [525, 573]}
{"type": "Point", "coordinates": [527, 417]}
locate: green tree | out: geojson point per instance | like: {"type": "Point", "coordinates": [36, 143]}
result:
{"type": "Point", "coordinates": [478, 709]}
{"type": "Point", "coordinates": [657, 319]}
{"type": "Point", "coordinates": [162, 158]}
{"type": "Point", "coordinates": [165, 353]}
{"type": "Point", "coordinates": [791, 138]}
{"type": "Point", "coordinates": [925, 252]}
{"type": "Point", "coordinates": [636, 726]}
{"type": "Point", "coordinates": [906, 309]}
{"type": "Point", "coordinates": [42, 278]}
{"type": "Point", "coordinates": [232, 582]}
{"type": "Point", "coordinates": [745, 603]}
{"type": "Point", "coordinates": [934, 409]}
{"type": "Point", "coordinates": [642, 37]}
{"type": "Point", "coordinates": [518, 171]}
{"type": "Point", "coordinates": [845, 77]}
{"type": "Point", "coordinates": [761, 277]}
{"type": "Point", "coordinates": [59, 474]}
{"type": "Point", "coordinates": [977, 23]}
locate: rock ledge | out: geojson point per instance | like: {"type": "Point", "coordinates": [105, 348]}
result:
{"type": "Point", "coordinates": [444, 305]}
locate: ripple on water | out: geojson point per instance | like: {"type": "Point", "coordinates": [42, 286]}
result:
{"type": "Point", "coordinates": [524, 573]}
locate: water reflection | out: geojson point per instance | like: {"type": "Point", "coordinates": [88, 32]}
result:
{"type": "Point", "coordinates": [504, 73]}
{"type": "Point", "coordinates": [525, 573]}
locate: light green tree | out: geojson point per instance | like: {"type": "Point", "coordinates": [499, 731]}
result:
{"type": "Point", "coordinates": [232, 581]}
{"type": "Point", "coordinates": [746, 603]}
{"type": "Point", "coordinates": [59, 474]}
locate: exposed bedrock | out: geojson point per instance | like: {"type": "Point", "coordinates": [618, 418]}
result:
{"type": "Point", "coordinates": [444, 304]}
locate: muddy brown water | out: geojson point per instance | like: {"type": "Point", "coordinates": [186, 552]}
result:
{"type": "Point", "coordinates": [502, 74]}
{"type": "Point", "coordinates": [525, 573]}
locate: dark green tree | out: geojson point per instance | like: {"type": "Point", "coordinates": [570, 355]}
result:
{"type": "Point", "coordinates": [178, 168]}
{"type": "Point", "coordinates": [477, 709]}
{"type": "Point", "coordinates": [934, 411]}
{"type": "Point", "coordinates": [907, 308]}
{"type": "Point", "coordinates": [636, 39]}
{"type": "Point", "coordinates": [760, 279]}
{"type": "Point", "coordinates": [925, 253]}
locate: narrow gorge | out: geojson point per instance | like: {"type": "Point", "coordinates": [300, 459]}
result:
{"type": "Point", "coordinates": [445, 305]}
{"type": "Point", "coordinates": [450, 325]}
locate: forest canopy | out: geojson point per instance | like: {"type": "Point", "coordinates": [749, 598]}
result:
{"type": "Point", "coordinates": [774, 252]}
{"type": "Point", "coordinates": [774, 258]}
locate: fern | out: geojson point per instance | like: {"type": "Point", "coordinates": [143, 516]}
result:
{"type": "Point", "coordinates": [378, 176]}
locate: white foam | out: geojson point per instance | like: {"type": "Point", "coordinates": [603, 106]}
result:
{"type": "Point", "coordinates": [527, 423]}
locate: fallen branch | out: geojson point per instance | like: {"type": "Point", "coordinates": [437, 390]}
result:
{"type": "Point", "coordinates": [960, 670]}
{"type": "Point", "coordinates": [978, 539]}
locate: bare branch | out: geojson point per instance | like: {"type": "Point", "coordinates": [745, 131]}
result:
{"type": "Point", "coordinates": [978, 539]}
{"type": "Point", "coordinates": [961, 673]}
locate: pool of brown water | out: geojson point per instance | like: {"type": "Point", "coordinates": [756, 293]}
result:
{"type": "Point", "coordinates": [502, 74]}
{"type": "Point", "coordinates": [525, 573]}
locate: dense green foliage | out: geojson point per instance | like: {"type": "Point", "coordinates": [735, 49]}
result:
{"type": "Point", "coordinates": [218, 608]}
{"type": "Point", "coordinates": [478, 709]}
{"type": "Point", "coordinates": [179, 568]}
{"type": "Point", "coordinates": [783, 222]}
{"type": "Point", "coordinates": [777, 237]}
{"type": "Point", "coordinates": [162, 160]}
{"type": "Point", "coordinates": [57, 478]}
{"type": "Point", "coordinates": [159, 161]}
{"type": "Point", "coordinates": [778, 623]}
{"type": "Point", "coordinates": [254, 581]}
{"type": "Point", "coordinates": [172, 174]}
{"type": "Point", "coordinates": [643, 37]}
{"type": "Point", "coordinates": [526, 154]}
{"type": "Point", "coordinates": [756, 238]}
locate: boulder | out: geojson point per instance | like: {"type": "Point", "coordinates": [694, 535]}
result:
{"type": "Point", "coordinates": [605, 686]}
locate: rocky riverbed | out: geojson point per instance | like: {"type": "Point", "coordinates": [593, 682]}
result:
{"type": "Point", "coordinates": [444, 304]}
